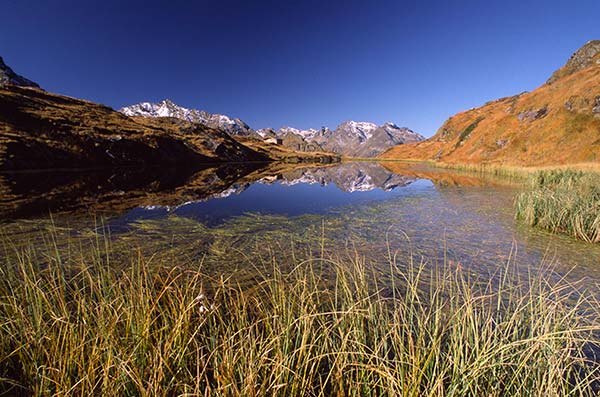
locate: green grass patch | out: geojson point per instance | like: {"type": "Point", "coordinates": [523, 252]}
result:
{"type": "Point", "coordinates": [467, 131]}
{"type": "Point", "coordinates": [563, 201]}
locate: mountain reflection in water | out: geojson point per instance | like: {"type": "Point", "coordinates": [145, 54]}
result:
{"type": "Point", "coordinates": [289, 192]}
{"type": "Point", "coordinates": [114, 192]}
{"type": "Point", "coordinates": [220, 210]}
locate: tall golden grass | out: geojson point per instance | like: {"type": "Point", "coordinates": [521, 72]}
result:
{"type": "Point", "coordinates": [515, 171]}
{"type": "Point", "coordinates": [564, 201]}
{"type": "Point", "coordinates": [81, 322]}
{"type": "Point", "coordinates": [503, 170]}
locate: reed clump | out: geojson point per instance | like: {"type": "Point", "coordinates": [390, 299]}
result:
{"type": "Point", "coordinates": [75, 324]}
{"type": "Point", "coordinates": [503, 171]}
{"type": "Point", "coordinates": [517, 172]}
{"type": "Point", "coordinates": [563, 201]}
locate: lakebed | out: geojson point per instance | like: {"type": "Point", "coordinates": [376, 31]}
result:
{"type": "Point", "coordinates": [224, 215]}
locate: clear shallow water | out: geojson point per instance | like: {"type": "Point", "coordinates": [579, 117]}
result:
{"type": "Point", "coordinates": [471, 226]}
{"type": "Point", "coordinates": [276, 198]}
{"type": "Point", "coordinates": [440, 216]}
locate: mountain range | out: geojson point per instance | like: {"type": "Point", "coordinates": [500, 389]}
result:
{"type": "Point", "coordinates": [167, 108]}
{"type": "Point", "coordinates": [41, 130]}
{"type": "Point", "coordinates": [351, 138]}
{"type": "Point", "coordinates": [557, 123]}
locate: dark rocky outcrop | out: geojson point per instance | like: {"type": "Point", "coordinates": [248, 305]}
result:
{"type": "Point", "coordinates": [596, 108]}
{"type": "Point", "coordinates": [8, 76]}
{"type": "Point", "coordinates": [584, 57]}
{"type": "Point", "coordinates": [532, 115]}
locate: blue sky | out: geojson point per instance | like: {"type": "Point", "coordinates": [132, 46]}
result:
{"type": "Point", "coordinates": [304, 63]}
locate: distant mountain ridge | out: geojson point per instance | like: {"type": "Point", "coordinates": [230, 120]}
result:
{"type": "Point", "coordinates": [40, 130]}
{"type": "Point", "coordinates": [167, 108]}
{"type": "Point", "coordinates": [364, 139]}
{"type": "Point", "coordinates": [557, 123]}
{"type": "Point", "coordinates": [350, 138]}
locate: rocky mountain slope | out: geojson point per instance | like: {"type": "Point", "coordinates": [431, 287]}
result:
{"type": "Point", "coordinates": [167, 108]}
{"type": "Point", "coordinates": [351, 138]}
{"type": "Point", "coordinates": [40, 130]}
{"type": "Point", "coordinates": [362, 139]}
{"type": "Point", "coordinates": [557, 123]}
{"type": "Point", "coordinates": [7, 76]}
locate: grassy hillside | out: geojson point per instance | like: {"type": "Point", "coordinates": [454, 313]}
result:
{"type": "Point", "coordinates": [288, 154]}
{"type": "Point", "coordinates": [558, 123]}
{"type": "Point", "coordinates": [41, 130]}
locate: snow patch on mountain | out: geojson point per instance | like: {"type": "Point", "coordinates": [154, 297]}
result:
{"type": "Point", "coordinates": [362, 129]}
{"type": "Point", "coordinates": [167, 108]}
{"type": "Point", "coordinates": [350, 138]}
{"type": "Point", "coordinates": [305, 134]}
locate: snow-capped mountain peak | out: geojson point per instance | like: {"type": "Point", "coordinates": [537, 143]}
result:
{"type": "Point", "coordinates": [361, 129]}
{"type": "Point", "coordinates": [352, 138]}
{"type": "Point", "coordinates": [167, 108]}
{"type": "Point", "coordinates": [288, 130]}
{"type": "Point", "coordinates": [306, 134]}
{"type": "Point", "coordinates": [164, 108]}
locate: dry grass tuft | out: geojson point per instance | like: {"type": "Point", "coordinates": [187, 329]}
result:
{"type": "Point", "coordinates": [563, 201]}
{"type": "Point", "coordinates": [74, 326]}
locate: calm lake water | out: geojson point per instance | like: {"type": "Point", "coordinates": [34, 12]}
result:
{"type": "Point", "coordinates": [365, 208]}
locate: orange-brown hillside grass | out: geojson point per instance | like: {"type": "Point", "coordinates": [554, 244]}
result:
{"type": "Point", "coordinates": [556, 124]}
{"type": "Point", "coordinates": [83, 322]}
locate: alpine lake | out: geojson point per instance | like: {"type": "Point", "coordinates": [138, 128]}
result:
{"type": "Point", "coordinates": [238, 221]}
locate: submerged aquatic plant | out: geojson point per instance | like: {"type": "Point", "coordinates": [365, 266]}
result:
{"type": "Point", "coordinates": [82, 321]}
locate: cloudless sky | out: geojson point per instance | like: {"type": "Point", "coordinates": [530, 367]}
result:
{"type": "Point", "coordinates": [299, 63]}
